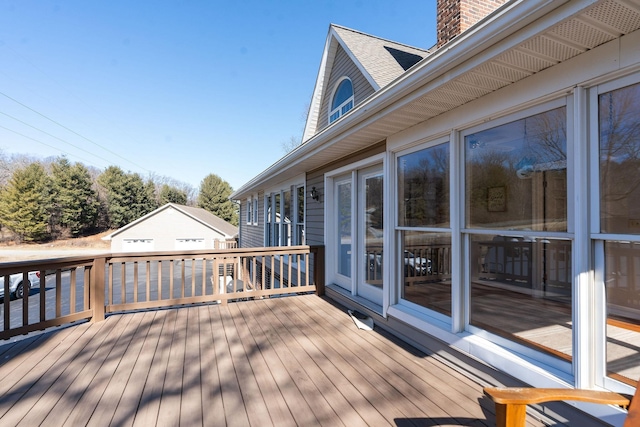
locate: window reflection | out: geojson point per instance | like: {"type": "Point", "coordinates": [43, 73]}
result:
{"type": "Point", "coordinates": [423, 188]}
{"type": "Point", "coordinates": [286, 219]}
{"type": "Point", "coordinates": [516, 174]}
{"type": "Point", "coordinates": [521, 289]}
{"type": "Point", "coordinates": [619, 124]}
{"type": "Point", "coordinates": [344, 228]}
{"type": "Point", "coordinates": [299, 237]}
{"type": "Point", "coordinates": [426, 265]}
{"type": "Point", "coordinates": [622, 283]}
{"type": "Point", "coordinates": [374, 228]}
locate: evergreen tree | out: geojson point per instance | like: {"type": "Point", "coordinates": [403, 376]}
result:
{"type": "Point", "coordinates": [25, 203]}
{"type": "Point", "coordinates": [214, 197]}
{"type": "Point", "coordinates": [128, 198]}
{"type": "Point", "coordinates": [150, 198]}
{"type": "Point", "coordinates": [169, 194]}
{"type": "Point", "coordinates": [74, 200]}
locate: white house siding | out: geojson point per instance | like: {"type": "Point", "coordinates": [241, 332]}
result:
{"type": "Point", "coordinates": [165, 228]}
{"type": "Point", "coordinates": [343, 66]}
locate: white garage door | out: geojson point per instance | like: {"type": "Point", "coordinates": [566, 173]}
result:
{"type": "Point", "coordinates": [189, 244]}
{"type": "Point", "coordinates": [137, 245]}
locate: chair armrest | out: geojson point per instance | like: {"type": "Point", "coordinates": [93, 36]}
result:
{"type": "Point", "coordinates": [511, 403]}
{"type": "Point", "coordinates": [525, 396]}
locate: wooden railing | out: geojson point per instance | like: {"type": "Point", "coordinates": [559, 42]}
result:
{"type": "Point", "coordinates": [86, 288]}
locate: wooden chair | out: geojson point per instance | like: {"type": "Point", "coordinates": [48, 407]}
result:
{"type": "Point", "coordinates": [511, 402]}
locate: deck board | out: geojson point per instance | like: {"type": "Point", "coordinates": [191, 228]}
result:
{"type": "Point", "coordinates": [52, 376]}
{"type": "Point", "coordinates": [299, 381]}
{"type": "Point", "coordinates": [415, 381]}
{"type": "Point", "coordinates": [281, 361]}
{"type": "Point", "coordinates": [191, 402]}
{"type": "Point", "coordinates": [149, 402]}
{"type": "Point", "coordinates": [253, 399]}
{"type": "Point", "coordinates": [24, 367]}
{"type": "Point", "coordinates": [297, 405]}
{"type": "Point", "coordinates": [234, 409]}
{"type": "Point", "coordinates": [169, 411]}
{"type": "Point", "coordinates": [213, 408]}
{"type": "Point", "coordinates": [392, 391]}
{"type": "Point", "coordinates": [128, 402]}
{"type": "Point", "coordinates": [347, 378]}
{"type": "Point", "coordinates": [96, 376]}
{"type": "Point", "coordinates": [277, 407]}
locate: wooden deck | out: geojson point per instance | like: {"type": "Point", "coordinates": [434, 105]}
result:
{"type": "Point", "coordinates": [284, 361]}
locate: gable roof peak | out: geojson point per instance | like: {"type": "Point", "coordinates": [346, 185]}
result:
{"type": "Point", "coordinates": [340, 29]}
{"type": "Point", "coordinates": [380, 61]}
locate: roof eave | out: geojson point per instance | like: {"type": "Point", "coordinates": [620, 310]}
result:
{"type": "Point", "coordinates": [480, 43]}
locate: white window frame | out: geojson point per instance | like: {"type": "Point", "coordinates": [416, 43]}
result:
{"type": "Point", "coordinates": [255, 209]}
{"type": "Point", "coordinates": [350, 173]}
{"type": "Point", "coordinates": [341, 110]}
{"type": "Point", "coordinates": [269, 199]}
{"type": "Point", "coordinates": [598, 352]}
{"type": "Point", "coordinates": [396, 298]}
{"type": "Point", "coordinates": [249, 213]}
{"type": "Point", "coordinates": [294, 207]}
{"type": "Point", "coordinates": [562, 366]}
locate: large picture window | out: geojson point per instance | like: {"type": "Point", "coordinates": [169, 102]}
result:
{"type": "Point", "coordinates": [619, 152]}
{"type": "Point", "coordinates": [424, 261]}
{"type": "Point", "coordinates": [516, 174]}
{"type": "Point", "coordinates": [619, 119]}
{"type": "Point", "coordinates": [516, 186]}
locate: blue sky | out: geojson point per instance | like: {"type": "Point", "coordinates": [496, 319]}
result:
{"type": "Point", "coordinates": [174, 88]}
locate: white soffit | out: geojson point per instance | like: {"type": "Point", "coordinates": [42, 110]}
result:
{"type": "Point", "coordinates": [596, 24]}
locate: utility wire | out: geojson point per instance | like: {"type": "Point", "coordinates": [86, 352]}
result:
{"type": "Point", "coordinates": [48, 145]}
{"type": "Point", "coordinates": [57, 83]}
{"type": "Point", "coordinates": [53, 136]}
{"type": "Point", "coordinates": [74, 132]}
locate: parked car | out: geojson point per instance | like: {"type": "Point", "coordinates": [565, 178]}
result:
{"type": "Point", "coordinates": [416, 266]}
{"type": "Point", "coordinates": [16, 286]}
{"type": "Point", "coordinates": [413, 266]}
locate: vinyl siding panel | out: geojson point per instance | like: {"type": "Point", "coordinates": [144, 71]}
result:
{"type": "Point", "coordinates": [343, 66]}
{"type": "Point", "coordinates": [314, 226]}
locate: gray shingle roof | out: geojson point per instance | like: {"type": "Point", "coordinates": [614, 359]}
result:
{"type": "Point", "coordinates": [384, 60]}
{"type": "Point", "coordinates": [208, 218]}
{"type": "Point", "coordinates": [381, 61]}
{"type": "Point", "coordinates": [199, 214]}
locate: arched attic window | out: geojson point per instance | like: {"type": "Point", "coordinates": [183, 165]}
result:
{"type": "Point", "coordinates": [342, 99]}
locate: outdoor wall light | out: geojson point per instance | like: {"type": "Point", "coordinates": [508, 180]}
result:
{"type": "Point", "coordinates": [314, 194]}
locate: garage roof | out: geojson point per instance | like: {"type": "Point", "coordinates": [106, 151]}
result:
{"type": "Point", "coordinates": [198, 214]}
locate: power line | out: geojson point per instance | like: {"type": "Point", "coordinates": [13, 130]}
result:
{"type": "Point", "coordinates": [52, 136]}
{"type": "Point", "coordinates": [74, 132]}
{"type": "Point", "coordinates": [47, 145]}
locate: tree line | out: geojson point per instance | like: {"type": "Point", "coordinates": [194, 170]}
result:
{"type": "Point", "coordinates": [42, 201]}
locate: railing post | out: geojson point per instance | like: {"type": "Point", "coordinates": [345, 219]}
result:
{"type": "Point", "coordinates": [318, 270]}
{"type": "Point", "coordinates": [96, 291]}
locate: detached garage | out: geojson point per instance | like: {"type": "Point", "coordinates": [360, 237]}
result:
{"type": "Point", "coordinates": [173, 227]}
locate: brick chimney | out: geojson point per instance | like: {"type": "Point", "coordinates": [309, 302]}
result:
{"type": "Point", "coordinates": [456, 16]}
